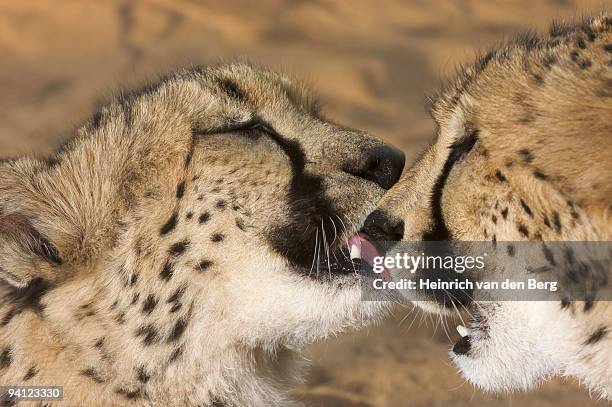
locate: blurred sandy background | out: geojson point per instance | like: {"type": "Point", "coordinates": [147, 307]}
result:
{"type": "Point", "coordinates": [372, 62]}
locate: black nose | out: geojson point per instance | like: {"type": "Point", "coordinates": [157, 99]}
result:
{"type": "Point", "coordinates": [380, 226]}
{"type": "Point", "coordinates": [382, 165]}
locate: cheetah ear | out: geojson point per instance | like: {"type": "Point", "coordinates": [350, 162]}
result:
{"type": "Point", "coordinates": [25, 254]}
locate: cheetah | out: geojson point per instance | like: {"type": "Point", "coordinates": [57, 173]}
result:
{"type": "Point", "coordinates": [186, 244]}
{"type": "Point", "coordinates": [523, 152]}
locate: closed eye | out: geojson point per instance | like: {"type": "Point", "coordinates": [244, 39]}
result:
{"type": "Point", "coordinates": [257, 127]}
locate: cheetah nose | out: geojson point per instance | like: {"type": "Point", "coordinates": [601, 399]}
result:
{"type": "Point", "coordinates": [382, 165]}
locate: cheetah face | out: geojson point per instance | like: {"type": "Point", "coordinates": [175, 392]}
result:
{"type": "Point", "coordinates": [220, 197]}
{"type": "Point", "coordinates": [268, 203]}
{"type": "Point", "coordinates": [508, 165]}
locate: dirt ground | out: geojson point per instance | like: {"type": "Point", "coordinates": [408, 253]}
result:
{"type": "Point", "coordinates": [373, 63]}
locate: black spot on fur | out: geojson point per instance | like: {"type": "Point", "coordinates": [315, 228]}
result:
{"type": "Point", "coordinates": [501, 177]}
{"type": "Point", "coordinates": [143, 376]}
{"type": "Point", "coordinates": [597, 336]}
{"type": "Point", "coordinates": [32, 371]}
{"type": "Point", "coordinates": [99, 343]}
{"type": "Point", "coordinates": [528, 116]}
{"type": "Point", "coordinates": [565, 303]}
{"type": "Point", "coordinates": [178, 248]}
{"type": "Point", "coordinates": [120, 318]}
{"type": "Point", "coordinates": [5, 358]}
{"type": "Point", "coordinates": [539, 174]}
{"type": "Point", "coordinates": [526, 155]}
{"type": "Point", "coordinates": [189, 215]}
{"type": "Point", "coordinates": [550, 258]}
{"type": "Point", "coordinates": [537, 78]}
{"type": "Point", "coordinates": [557, 222]}
{"type": "Point", "coordinates": [128, 394]}
{"type": "Point", "coordinates": [175, 307]}
{"type": "Point", "coordinates": [504, 213]}
{"type": "Point", "coordinates": [217, 237]}
{"type": "Point", "coordinates": [588, 304]}
{"type": "Point", "coordinates": [523, 230]}
{"type": "Point", "coordinates": [547, 222]}
{"type": "Point", "coordinates": [607, 47]}
{"type": "Point", "coordinates": [167, 271]}
{"type": "Point", "coordinates": [511, 250]}
{"type": "Point", "coordinates": [93, 374]}
{"type": "Point", "coordinates": [220, 204]}
{"type": "Point", "coordinates": [148, 333]}
{"type": "Point", "coordinates": [135, 298]}
{"type": "Point", "coordinates": [133, 279]}
{"type": "Point", "coordinates": [169, 225]}
{"type": "Point", "coordinates": [175, 354]}
{"type": "Point", "coordinates": [204, 217]}
{"type": "Point", "coordinates": [588, 30]}
{"type": "Point", "coordinates": [549, 61]}
{"type": "Point", "coordinates": [585, 63]}
{"type": "Point", "coordinates": [149, 304]}
{"type": "Point", "coordinates": [580, 43]}
{"type": "Point", "coordinates": [203, 265]}
{"type": "Point", "coordinates": [178, 330]}
{"type": "Point", "coordinates": [574, 55]}
{"type": "Point", "coordinates": [526, 208]}
{"type": "Point", "coordinates": [177, 295]}
{"type": "Point", "coordinates": [240, 224]}
{"type": "Point", "coordinates": [180, 190]}
{"type": "Point", "coordinates": [494, 219]}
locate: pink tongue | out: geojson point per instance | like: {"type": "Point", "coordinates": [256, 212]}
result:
{"type": "Point", "coordinates": [368, 252]}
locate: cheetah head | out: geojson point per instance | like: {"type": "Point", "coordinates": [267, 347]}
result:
{"type": "Point", "coordinates": [208, 212]}
{"type": "Point", "coordinates": [522, 153]}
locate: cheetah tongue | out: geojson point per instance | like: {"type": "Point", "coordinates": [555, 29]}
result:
{"type": "Point", "coordinates": [361, 248]}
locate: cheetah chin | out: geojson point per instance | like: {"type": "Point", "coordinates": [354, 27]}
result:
{"type": "Point", "coordinates": [186, 243]}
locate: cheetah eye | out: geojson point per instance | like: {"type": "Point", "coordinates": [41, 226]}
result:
{"type": "Point", "coordinates": [461, 147]}
{"type": "Point", "coordinates": [263, 127]}
{"type": "Point", "coordinates": [253, 128]}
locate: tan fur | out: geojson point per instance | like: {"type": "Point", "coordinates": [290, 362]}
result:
{"type": "Point", "coordinates": [541, 110]}
{"type": "Point", "coordinates": [137, 265]}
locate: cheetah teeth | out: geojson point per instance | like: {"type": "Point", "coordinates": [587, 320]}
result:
{"type": "Point", "coordinates": [463, 331]}
{"type": "Point", "coordinates": [355, 252]}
